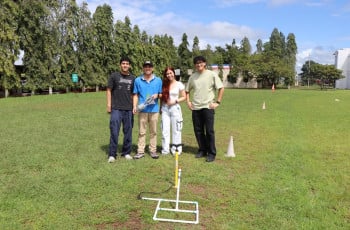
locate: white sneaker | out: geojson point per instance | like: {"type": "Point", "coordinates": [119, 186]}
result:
{"type": "Point", "coordinates": [128, 157]}
{"type": "Point", "coordinates": [164, 152]}
{"type": "Point", "coordinates": [111, 159]}
{"type": "Point", "coordinates": [173, 151]}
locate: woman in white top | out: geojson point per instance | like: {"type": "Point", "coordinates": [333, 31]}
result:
{"type": "Point", "coordinates": [173, 92]}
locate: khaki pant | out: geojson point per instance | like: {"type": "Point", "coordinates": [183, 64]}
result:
{"type": "Point", "coordinates": [151, 120]}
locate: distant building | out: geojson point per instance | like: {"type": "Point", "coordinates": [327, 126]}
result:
{"type": "Point", "coordinates": [240, 83]}
{"type": "Point", "coordinates": [342, 62]}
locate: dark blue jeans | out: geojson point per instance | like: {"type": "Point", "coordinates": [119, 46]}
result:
{"type": "Point", "coordinates": [119, 118]}
{"type": "Point", "coordinates": [203, 126]}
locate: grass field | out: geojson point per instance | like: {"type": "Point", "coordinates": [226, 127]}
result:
{"type": "Point", "coordinates": [291, 170]}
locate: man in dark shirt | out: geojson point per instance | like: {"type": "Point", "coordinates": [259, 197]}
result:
{"type": "Point", "coordinates": [120, 105]}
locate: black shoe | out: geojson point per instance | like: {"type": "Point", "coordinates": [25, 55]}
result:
{"type": "Point", "coordinates": [200, 154]}
{"type": "Point", "coordinates": [210, 158]}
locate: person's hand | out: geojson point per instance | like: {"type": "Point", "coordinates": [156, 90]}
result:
{"type": "Point", "coordinates": [154, 96]}
{"type": "Point", "coordinates": [189, 105]}
{"type": "Point", "coordinates": [109, 109]}
{"type": "Point", "coordinates": [213, 105]}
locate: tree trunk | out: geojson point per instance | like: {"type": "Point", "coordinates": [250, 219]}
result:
{"type": "Point", "coordinates": [97, 88]}
{"type": "Point", "coordinates": [7, 93]}
{"type": "Point", "coordinates": [50, 90]}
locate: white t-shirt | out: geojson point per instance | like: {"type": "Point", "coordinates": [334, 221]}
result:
{"type": "Point", "coordinates": [175, 91]}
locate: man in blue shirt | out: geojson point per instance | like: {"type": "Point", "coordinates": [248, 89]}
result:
{"type": "Point", "coordinates": [147, 90]}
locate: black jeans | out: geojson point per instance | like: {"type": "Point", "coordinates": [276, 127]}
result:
{"type": "Point", "coordinates": [203, 126]}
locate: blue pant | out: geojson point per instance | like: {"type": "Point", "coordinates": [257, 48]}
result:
{"type": "Point", "coordinates": [203, 126]}
{"type": "Point", "coordinates": [119, 118]}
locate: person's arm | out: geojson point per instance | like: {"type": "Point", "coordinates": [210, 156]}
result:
{"type": "Point", "coordinates": [220, 94]}
{"type": "Point", "coordinates": [134, 102]}
{"type": "Point", "coordinates": [215, 104]}
{"type": "Point", "coordinates": [109, 100]}
{"type": "Point", "coordinates": [189, 103]}
{"type": "Point", "coordinates": [182, 97]}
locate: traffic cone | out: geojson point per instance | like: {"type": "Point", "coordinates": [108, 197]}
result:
{"type": "Point", "coordinates": [273, 88]}
{"type": "Point", "coordinates": [230, 149]}
{"type": "Point", "coordinates": [263, 106]}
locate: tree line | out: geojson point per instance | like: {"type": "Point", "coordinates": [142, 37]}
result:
{"type": "Point", "coordinates": [322, 75]}
{"type": "Point", "coordinates": [59, 38]}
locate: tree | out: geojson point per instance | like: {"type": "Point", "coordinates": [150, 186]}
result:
{"type": "Point", "coordinates": [195, 48]}
{"type": "Point", "coordinates": [246, 48]}
{"type": "Point", "coordinates": [208, 54]}
{"type": "Point", "coordinates": [184, 57]}
{"type": "Point", "coordinates": [275, 45]}
{"type": "Point", "coordinates": [259, 46]}
{"type": "Point", "coordinates": [277, 63]}
{"type": "Point", "coordinates": [9, 45]}
{"type": "Point", "coordinates": [106, 54]}
{"type": "Point", "coordinates": [88, 67]}
{"type": "Point", "coordinates": [323, 75]}
{"type": "Point", "coordinates": [39, 41]}
{"type": "Point", "coordinates": [68, 26]}
{"type": "Point", "coordinates": [241, 61]}
{"type": "Point", "coordinates": [290, 56]}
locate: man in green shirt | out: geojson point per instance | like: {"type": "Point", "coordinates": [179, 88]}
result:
{"type": "Point", "coordinates": [200, 96]}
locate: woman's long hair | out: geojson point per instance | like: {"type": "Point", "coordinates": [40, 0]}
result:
{"type": "Point", "coordinates": [166, 84]}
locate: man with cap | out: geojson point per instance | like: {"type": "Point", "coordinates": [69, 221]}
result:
{"type": "Point", "coordinates": [147, 91]}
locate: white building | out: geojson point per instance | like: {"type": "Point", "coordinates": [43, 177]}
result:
{"type": "Point", "coordinates": [342, 62]}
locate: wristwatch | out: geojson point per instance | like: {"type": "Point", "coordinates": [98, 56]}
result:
{"type": "Point", "coordinates": [218, 102]}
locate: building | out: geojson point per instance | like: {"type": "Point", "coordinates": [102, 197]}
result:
{"type": "Point", "coordinates": [342, 62]}
{"type": "Point", "coordinates": [240, 83]}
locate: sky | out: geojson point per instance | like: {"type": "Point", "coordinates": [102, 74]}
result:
{"type": "Point", "coordinates": [320, 27]}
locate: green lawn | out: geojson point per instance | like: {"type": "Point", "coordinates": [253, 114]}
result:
{"type": "Point", "coordinates": [291, 170]}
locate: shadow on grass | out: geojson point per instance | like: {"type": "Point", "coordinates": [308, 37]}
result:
{"type": "Point", "coordinates": [186, 149]}
{"type": "Point", "coordinates": [105, 149]}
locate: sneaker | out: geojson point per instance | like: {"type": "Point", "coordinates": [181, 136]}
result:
{"type": "Point", "coordinates": [139, 155]}
{"type": "Point", "coordinates": [111, 159]}
{"type": "Point", "coordinates": [173, 151]}
{"type": "Point", "coordinates": [128, 157]}
{"type": "Point", "coordinates": [154, 155]}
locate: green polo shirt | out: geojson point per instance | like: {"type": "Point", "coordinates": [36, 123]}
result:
{"type": "Point", "coordinates": [203, 87]}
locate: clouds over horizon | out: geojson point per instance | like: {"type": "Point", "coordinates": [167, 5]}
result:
{"type": "Point", "coordinates": [159, 17]}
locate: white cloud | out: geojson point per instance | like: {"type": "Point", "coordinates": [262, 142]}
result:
{"type": "Point", "coordinates": [216, 33]}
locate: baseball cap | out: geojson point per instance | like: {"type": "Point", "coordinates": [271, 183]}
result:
{"type": "Point", "coordinates": [149, 63]}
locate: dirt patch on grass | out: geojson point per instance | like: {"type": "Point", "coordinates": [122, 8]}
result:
{"type": "Point", "coordinates": [131, 223]}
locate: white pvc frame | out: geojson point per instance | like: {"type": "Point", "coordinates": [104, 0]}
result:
{"type": "Point", "coordinates": [177, 201]}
